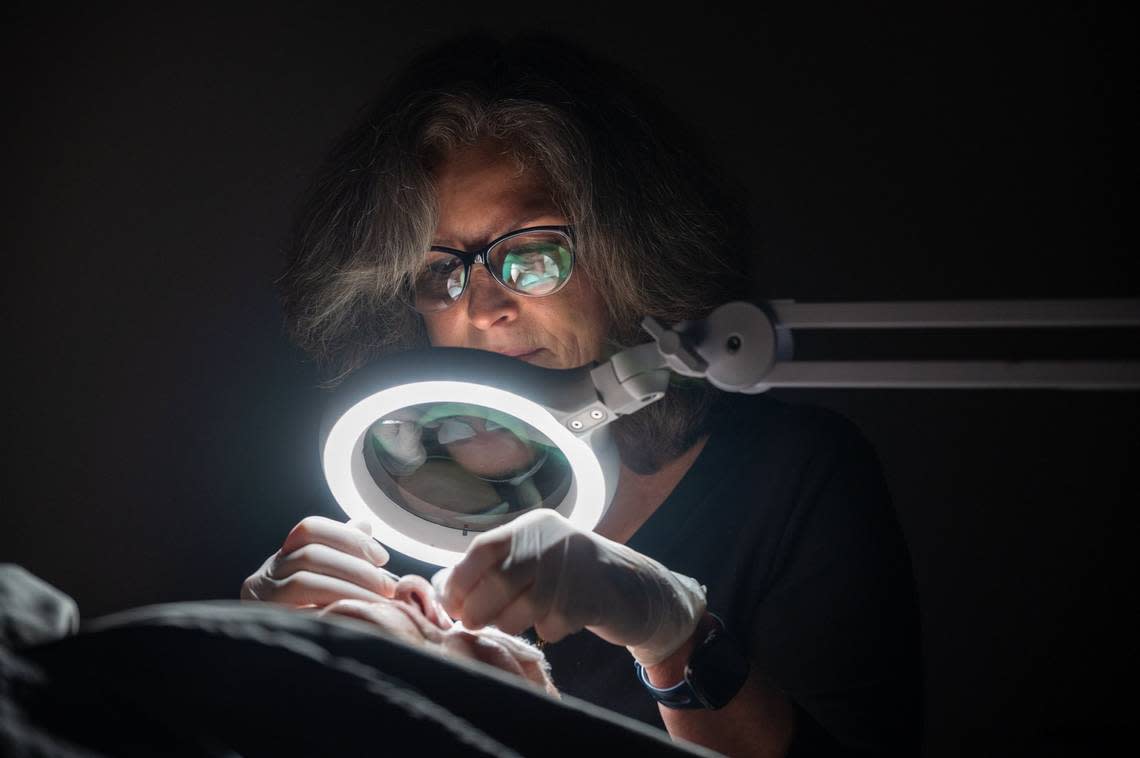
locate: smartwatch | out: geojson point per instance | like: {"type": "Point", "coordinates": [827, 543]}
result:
{"type": "Point", "coordinates": [714, 674]}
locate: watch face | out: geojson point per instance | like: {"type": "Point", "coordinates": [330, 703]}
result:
{"type": "Point", "coordinates": [717, 671]}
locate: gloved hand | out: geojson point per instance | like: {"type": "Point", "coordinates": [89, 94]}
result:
{"type": "Point", "coordinates": [399, 442]}
{"type": "Point", "coordinates": [543, 571]}
{"type": "Point", "coordinates": [323, 561]}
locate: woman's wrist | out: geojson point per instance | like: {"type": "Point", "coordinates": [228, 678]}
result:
{"type": "Point", "coordinates": [676, 603]}
{"type": "Point", "coordinates": [671, 670]}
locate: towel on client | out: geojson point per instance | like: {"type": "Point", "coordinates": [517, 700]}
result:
{"type": "Point", "coordinates": [226, 678]}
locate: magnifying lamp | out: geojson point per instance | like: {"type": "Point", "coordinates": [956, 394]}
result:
{"type": "Point", "coordinates": [433, 447]}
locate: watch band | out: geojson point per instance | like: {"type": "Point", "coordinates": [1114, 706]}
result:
{"type": "Point", "coordinates": [707, 687]}
{"type": "Point", "coordinates": [680, 695]}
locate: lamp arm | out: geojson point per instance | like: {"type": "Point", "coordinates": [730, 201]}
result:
{"type": "Point", "coordinates": [631, 379]}
{"type": "Point", "coordinates": [745, 347]}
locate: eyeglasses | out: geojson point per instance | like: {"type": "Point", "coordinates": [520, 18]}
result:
{"type": "Point", "coordinates": [535, 261]}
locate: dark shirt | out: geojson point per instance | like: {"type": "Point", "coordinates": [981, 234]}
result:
{"type": "Point", "coordinates": [786, 518]}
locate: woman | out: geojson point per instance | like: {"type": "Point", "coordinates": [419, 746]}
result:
{"type": "Point", "coordinates": [748, 588]}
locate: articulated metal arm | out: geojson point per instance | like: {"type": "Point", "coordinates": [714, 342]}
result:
{"type": "Point", "coordinates": [743, 347]}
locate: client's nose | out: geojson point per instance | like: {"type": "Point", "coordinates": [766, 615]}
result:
{"type": "Point", "coordinates": [416, 590]}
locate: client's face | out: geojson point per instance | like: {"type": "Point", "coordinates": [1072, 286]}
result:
{"type": "Point", "coordinates": [414, 616]}
{"type": "Point", "coordinates": [486, 448]}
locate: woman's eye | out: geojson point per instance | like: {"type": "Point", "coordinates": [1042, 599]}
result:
{"type": "Point", "coordinates": [442, 268]}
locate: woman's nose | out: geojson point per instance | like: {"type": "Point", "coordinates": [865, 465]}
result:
{"type": "Point", "coordinates": [488, 302]}
{"type": "Point", "coordinates": [417, 591]}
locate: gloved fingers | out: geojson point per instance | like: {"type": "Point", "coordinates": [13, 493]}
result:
{"type": "Point", "coordinates": [494, 592]}
{"type": "Point", "coordinates": [438, 581]}
{"type": "Point", "coordinates": [322, 559]}
{"type": "Point", "coordinates": [399, 436]}
{"type": "Point", "coordinates": [400, 449]}
{"type": "Point", "coordinates": [486, 553]}
{"type": "Point", "coordinates": [343, 537]}
{"type": "Point", "coordinates": [519, 615]}
{"type": "Point", "coordinates": [536, 582]}
{"type": "Point", "coordinates": [308, 588]}
{"type": "Point", "coordinates": [554, 626]}
{"type": "Point", "coordinates": [361, 524]}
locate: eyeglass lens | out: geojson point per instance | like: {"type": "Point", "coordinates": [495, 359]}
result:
{"type": "Point", "coordinates": [535, 264]}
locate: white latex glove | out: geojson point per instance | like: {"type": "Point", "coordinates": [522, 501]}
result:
{"type": "Point", "coordinates": [323, 561]}
{"type": "Point", "coordinates": [540, 570]}
{"type": "Point", "coordinates": [401, 450]}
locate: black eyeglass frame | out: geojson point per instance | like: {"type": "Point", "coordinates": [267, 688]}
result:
{"type": "Point", "coordinates": [470, 257]}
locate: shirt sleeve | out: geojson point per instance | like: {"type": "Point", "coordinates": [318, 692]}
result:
{"type": "Point", "coordinates": [838, 628]}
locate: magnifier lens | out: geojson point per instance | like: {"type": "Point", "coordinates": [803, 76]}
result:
{"type": "Point", "coordinates": [464, 466]}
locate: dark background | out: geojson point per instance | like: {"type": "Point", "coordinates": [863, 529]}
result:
{"type": "Point", "coordinates": [160, 433]}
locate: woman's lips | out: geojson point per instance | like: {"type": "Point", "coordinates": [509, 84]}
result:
{"type": "Point", "coordinates": [529, 356]}
{"type": "Point", "coordinates": [522, 354]}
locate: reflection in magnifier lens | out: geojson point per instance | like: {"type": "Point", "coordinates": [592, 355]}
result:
{"type": "Point", "coordinates": [464, 466]}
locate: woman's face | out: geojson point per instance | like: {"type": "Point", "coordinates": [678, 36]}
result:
{"type": "Point", "coordinates": [483, 194]}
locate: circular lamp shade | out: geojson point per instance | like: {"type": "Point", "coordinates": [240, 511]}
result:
{"type": "Point", "coordinates": [434, 447]}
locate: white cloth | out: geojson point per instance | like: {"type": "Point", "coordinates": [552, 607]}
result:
{"type": "Point", "coordinates": [31, 610]}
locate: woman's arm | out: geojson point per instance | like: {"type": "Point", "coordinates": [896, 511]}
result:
{"type": "Point", "coordinates": [758, 721]}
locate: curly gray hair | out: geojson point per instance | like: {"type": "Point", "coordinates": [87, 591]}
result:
{"type": "Point", "coordinates": [657, 231]}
